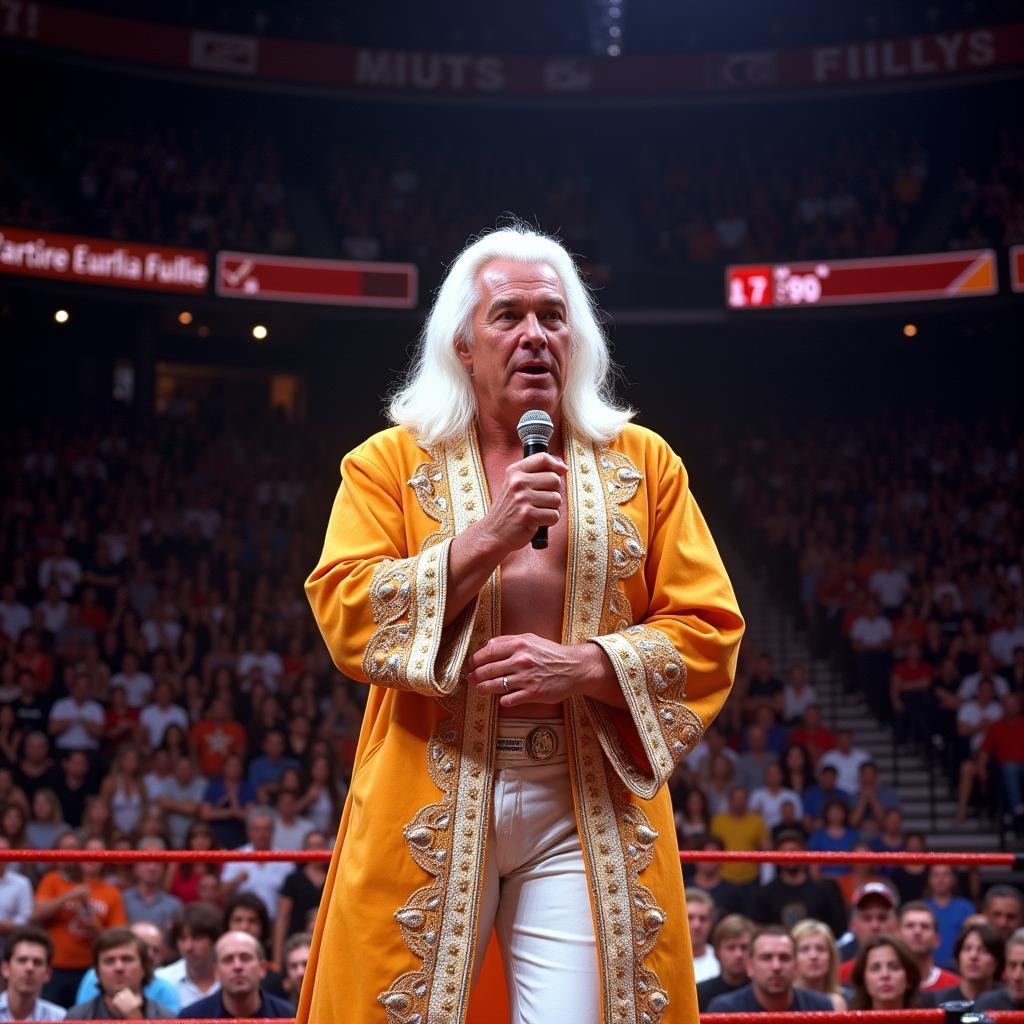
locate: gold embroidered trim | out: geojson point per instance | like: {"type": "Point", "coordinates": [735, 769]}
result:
{"type": "Point", "coordinates": [446, 838]}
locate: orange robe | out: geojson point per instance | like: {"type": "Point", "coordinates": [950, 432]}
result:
{"type": "Point", "coordinates": [395, 937]}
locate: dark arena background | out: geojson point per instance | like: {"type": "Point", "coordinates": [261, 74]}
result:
{"type": "Point", "coordinates": [220, 228]}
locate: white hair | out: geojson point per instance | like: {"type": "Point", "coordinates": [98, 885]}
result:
{"type": "Point", "coordinates": [436, 399]}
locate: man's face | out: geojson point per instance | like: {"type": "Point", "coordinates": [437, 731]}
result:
{"type": "Point", "coordinates": [732, 955]}
{"type": "Point", "coordinates": [245, 919]}
{"type": "Point", "coordinates": [120, 967]}
{"type": "Point", "coordinates": [941, 880]}
{"type": "Point", "coordinates": [520, 351]}
{"type": "Point", "coordinates": [1013, 975]}
{"type": "Point", "coordinates": [771, 965]}
{"type": "Point", "coordinates": [149, 872]}
{"type": "Point", "coordinates": [1003, 913]}
{"type": "Point", "coordinates": [295, 967]}
{"type": "Point", "coordinates": [196, 950]}
{"type": "Point", "coordinates": [917, 930]}
{"type": "Point", "coordinates": [738, 801]}
{"type": "Point", "coordinates": [239, 967]}
{"type": "Point", "coordinates": [153, 940]}
{"type": "Point", "coordinates": [699, 916]}
{"type": "Point", "coordinates": [261, 831]}
{"type": "Point", "coordinates": [873, 916]}
{"type": "Point", "coordinates": [27, 970]}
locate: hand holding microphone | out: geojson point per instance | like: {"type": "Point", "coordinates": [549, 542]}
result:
{"type": "Point", "coordinates": [535, 429]}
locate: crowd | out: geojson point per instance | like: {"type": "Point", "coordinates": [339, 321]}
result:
{"type": "Point", "coordinates": [990, 196]}
{"type": "Point", "coordinates": [903, 556]}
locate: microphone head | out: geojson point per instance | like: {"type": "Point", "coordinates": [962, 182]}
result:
{"type": "Point", "coordinates": [535, 426]}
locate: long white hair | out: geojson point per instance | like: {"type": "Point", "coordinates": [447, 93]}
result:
{"type": "Point", "coordinates": [436, 399]}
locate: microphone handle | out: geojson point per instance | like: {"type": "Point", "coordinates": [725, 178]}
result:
{"type": "Point", "coordinates": [535, 447]}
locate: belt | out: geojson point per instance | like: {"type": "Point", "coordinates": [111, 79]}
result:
{"type": "Point", "coordinates": [525, 742]}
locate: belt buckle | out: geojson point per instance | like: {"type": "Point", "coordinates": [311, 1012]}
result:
{"type": "Point", "coordinates": [541, 743]}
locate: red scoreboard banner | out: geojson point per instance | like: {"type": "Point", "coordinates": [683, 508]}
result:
{"type": "Point", "coordinates": [249, 275]}
{"type": "Point", "coordinates": [1017, 268]}
{"type": "Point", "coordinates": [947, 275]}
{"type": "Point", "coordinates": [102, 261]}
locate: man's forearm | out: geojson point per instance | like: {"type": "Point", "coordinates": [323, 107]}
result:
{"type": "Point", "coordinates": [474, 554]}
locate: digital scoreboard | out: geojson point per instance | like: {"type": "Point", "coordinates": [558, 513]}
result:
{"type": "Point", "coordinates": [250, 275]}
{"type": "Point", "coordinates": [947, 275]}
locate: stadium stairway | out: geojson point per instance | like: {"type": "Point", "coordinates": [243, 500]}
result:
{"type": "Point", "coordinates": [926, 802]}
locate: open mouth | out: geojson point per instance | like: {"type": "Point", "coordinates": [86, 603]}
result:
{"type": "Point", "coordinates": [534, 371]}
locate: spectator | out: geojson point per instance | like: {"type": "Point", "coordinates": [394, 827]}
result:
{"type": "Point", "coordinates": [15, 616]}
{"type": "Point", "coordinates": [911, 880]}
{"type": "Point", "coordinates": [793, 894]}
{"type": "Point", "coordinates": [300, 896]}
{"type": "Point", "coordinates": [919, 931]}
{"type": "Point", "coordinates": [797, 696]}
{"type": "Point", "coordinates": [290, 830]}
{"type": "Point", "coordinates": [817, 738]}
{"type": "Point", "coordinates": [36, 770]}
{"type": "Point", "coordinates": [76, 722]}
{"type": "Point", "coordinates": [1003, 906]}
{"type": "Point", "coordinates": [216, 736]}
{"type": "Point", "coordinates": [739, 829]}
{"type": "Point", "coordinates": [700, 914]}
{"type": "Point", "coordinates": [123, 970]}
{"type": "Point", "coordinates": [707, 875]}
{"type": "Point", "coordinates": [752, 765]}
{"type": "Point", "coordinates": [972, 721]}
{"type": "Point", "coordinates": [266, 770]}
{"type": "Point", "coordinates": [835, 836]}
{"type": "Point", "coordinates": [148, 900]}
{"type": "Point", "coordinates": [970, 684]}
{"type": "Point", "coordinates": [31, 708]}
{"type": "Point", "coordinates": [1011, 996]}
{"type": "Point", "coordinates": [75, 905]}
{"type": "Point", "coordinates": [872, 798]}
{"type": "Point", "coordinates": [137, 685]}
{"type": "Point", "coordinates": [980, 956]}
{"type": "Point", "coordinates": [846, 759]}
{"type": "Point", "coordinates": [322, 797]}
{"type": "Point", "coordinates": [241, 969]}
{"type": "Point", "coordinates": [15, 896]}
{"type": "Point", "coordinates": [768, 800]}
{"type": "Point", "coordinates": [180, 798]}
{"type": "Point", "coordinates": [186, 875]}
{"type": "Point", "coordinates": [227, 801]}
{"type": "Point", "coordinates": [262, 878]}
{"type": "Point", "coordinates": [120, 723]}
{"type": "Point", "coordinates": [871, 640]}
{"type": "Point", "coordinates": [731, 938]}
{"type": "Point", "coordinates": [694, 816]}
{"type": "Point", "coordinates": [260, 657]}
{"type": "Point", "coordinates": [764, 688]}
{"type": "Point", "coordinates": [819, 795]}
{"type": "Point", "coordinates": [47, 821]}
{"type": "Point", "coordinates": [909, 693]}
{"type": "Point", "coordinates": [1002, 744]}
{"type": "Point", "coordinates": [26, 969]}
{"type": "Point", "coordinates": [873, 914]}
{"type": "Point", "coordinates": [797, 770]}
{"type": "Point", "coordinates": [194, 975]}
{"type": "Point", "coordinates": [885, 976]}
{"type": "Point", "coordinates": [817, 960]}
{"type": "Point", "coordinates": [950, 910]}
{"type": "Point", "coordinates": [771, 967]}
{"type": "Point", "coordinates": [156, 989]}
{"type": "Point", "coordinates": [161, 713]}
{"type": "Point", "coordinates": [294, 960]}
{"type": "Point", "coordinates": [123, 792]}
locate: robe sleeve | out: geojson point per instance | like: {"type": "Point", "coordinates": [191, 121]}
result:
{"type": "Point", "coordinates": [676, 662]}
{"type": "Point", "coordinates": [379, 607]}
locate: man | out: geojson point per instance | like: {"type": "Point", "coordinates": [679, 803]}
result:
{"type": "Point", "coordinates": [752, 767]}
{"type": "Point", "coordinates": [846, 759]}
{"type": "Point", "coordinates": [148, 900]}
{"type": "Point", "coordinates": [1010, 997]}
{"type": "Point", "coordinates": [194, 974]}
{"type": "Point", "coordinates": [1002, 744]}
{"type": "Point", "coordinates": [263, 878]}
{"type": "Point", "coordinates": [157, 989]}
{"type": "Point", "coordinates": [731, 938]}
{"type": "Point", "coordinates": [294, 960]}
{"type": "Point", "coordinates": [794, 895]}
{"type": "Point", "coordinates": [818, 739]}
{"type": "Point", "coordinates": [266, 770]}
{"type": "Point", "coordinates": [699, 914]}
{"type": "Point", "coordinates": [290, 828]}
{"type": "Point", "coordinates": [764, 688]}
{"type": "Point", "coordinates": [241, 967]}
{"type": "Point", "coordinates": [161, 713]}
{"type": "Point", "coordinates": [873, 912]}
{"type": "Point", "coordinates": [15, 896]}
{"type": "Point", "coordinates": [26, 969]}
{"type": "Point", "coordinates": [216, 736]}
{"type": "Point", "coordinates": [181, 797]}
{"type": "Point", "coordinates": [771, 967]}
{"type": "Point", "coordinates": [919, 929]}
{"type": "Point", "coordinates": [973, 720]}
{"type": "Point", "coordinates": [123, 969]}
{"type": "Point", "coordinates": [871, 640]}
{"type": "Point", "coordinates": [872, 798]}
{"type": "Point", "coordinates": [767, 800]}
{"type": "Point", "coordinates": [1003, 907]}
{"type": "Point", "coordinates": [707, 875]}
{"type": "Point", "coordinates": [72, 786]}
{"type": "Point", "coordinates": [76, 721]}
{"type": "Point", "coordinates": [817, 796]}
{"type": "Point", "coordinates": [408, 598]}
{"type": "Point", "coordinates": [740, 829]}
{"type": "Point", "coordinates": [951, 911]}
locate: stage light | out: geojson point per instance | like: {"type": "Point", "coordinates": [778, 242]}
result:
{"type": "Point", "coordinates": [203, 331]}
{"type": "Point", "coordinates": [62, 316]}
{"type": "Point", "coordinates": [909, 330]}
{"type": "Point", "coordinates": [184, 318]}
{"type": "Point", "coordinates": [259, 332]}
{"type": "Point", "coordinates": [614, 50]}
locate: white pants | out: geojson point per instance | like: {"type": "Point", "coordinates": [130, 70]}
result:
{"type": "Point", "coordinates": [536, 895]}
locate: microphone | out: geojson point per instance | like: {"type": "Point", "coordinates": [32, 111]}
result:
{"type": "Point", "coordinates": [535, 429]}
